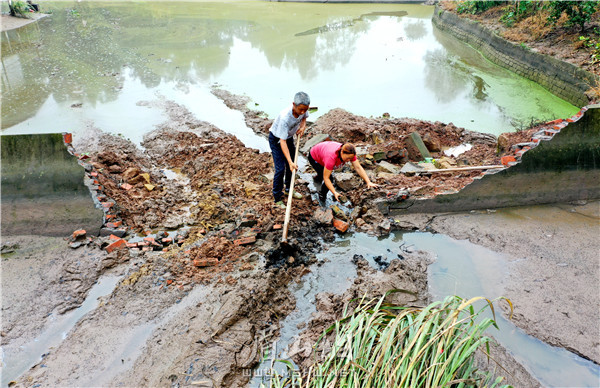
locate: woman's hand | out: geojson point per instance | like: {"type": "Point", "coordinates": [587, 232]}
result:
{"type": "Point", "coordinates": [336, 195]}
{"type": "Point", "coordinates": [293, 166]}
{"type": "Point", "coordinates": [371, 185]}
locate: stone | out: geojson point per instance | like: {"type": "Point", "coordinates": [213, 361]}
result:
{"type": "Point", "coordinates": [411, 168]}
{"type": "Point", "coordinates": [347, 181]}
{"type": "Point", "coordinates": [503, 143]}
{"type": "Point", "coordinates": [316, 139]}
{"type": "Point", "coordinates": [79, 234]}
{"type": "Point", "coordinates": [386, 176]}
{"type": "Point", "coordinates": [113, 231]}
{"type": "Point", "coordinates": [384, 166]}
{"type": "Point", "coordinates": [432, 144]}
{"type": "Point", "coordinates": [338, 212]}
{"type": "Point", "coordinates": [149, 186]}
{"type": "Point", "coordinates": [322, 216]}
{"type": "Point", "coordinates": [416, 148]}
{"type": "Point", "coordinates": [250, 189]}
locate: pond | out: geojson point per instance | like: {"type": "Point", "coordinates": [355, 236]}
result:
{"type": "Point", "coordinates": [105, 64]}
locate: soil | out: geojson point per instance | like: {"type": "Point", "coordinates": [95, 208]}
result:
{"type": "Point", "coordinates": [559, 41]}
{"type": "Point", "coordinates": [198, 310]}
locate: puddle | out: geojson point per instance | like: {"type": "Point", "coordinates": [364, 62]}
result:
{"type": "Point", "coordinates": [461, 268]}
{"type": "Point", "coordinates": [14, 365]}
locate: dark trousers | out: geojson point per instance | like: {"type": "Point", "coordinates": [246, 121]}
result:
{"type": "Point", "coordinates": [282, 168]}
{"type": "Point", "coordinates": [319, 178]}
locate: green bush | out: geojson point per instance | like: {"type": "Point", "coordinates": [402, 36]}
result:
{"type": "Point", "coordinates": [578, 12]}
{"type": "Point", "coordinates": [19, 9]}
{"type": "Point", "coordinates": [517, 11]}
{"type": "Point", "coordinates": [475, 7]}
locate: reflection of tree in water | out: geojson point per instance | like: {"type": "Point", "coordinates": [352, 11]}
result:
{"type": "Point", "coordinates": [443, 75]}
{"type": "Point", "coordinates": [415, 30]}
{"type": "Point", "coordinates": [446, 76]}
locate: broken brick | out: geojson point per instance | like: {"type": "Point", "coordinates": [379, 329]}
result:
{"type": "Point", "coordinates": [149, 239]}
{"type": "Point", "coordinates": [119, 244]}
{"type": "Point", "coordinates": [78, 233]}
{"type": "Point", "coordinates": [126, 186]}
{"type": "Point", "coordinates": [507, 159]}
{"type": "Point", "coordinates": [340, 225]}
{"type": "Point", "coordinates": [167, 240]}
{"type": "Point", "coordinates": [113, 237]}
{"type": "Point", "coordinates": [107, 205]}
{"type": "Point", "coordinates": [114, 224]}
{"type": "Point", "coordinates": [277, 226]}
{"type": "Point", "coordinates": [245, 240]}
{"type": "Point", "coordinates": [208, 262]}
{"type": "Point", "coordinates": [68, 138]}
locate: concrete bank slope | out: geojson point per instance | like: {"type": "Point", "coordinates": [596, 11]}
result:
{"type": "Point", "coordinates": [563, 79]}
{"type": "Point", "coordinates": [43, 189]}
{"type": "Point", "coordinates": [561, 163]}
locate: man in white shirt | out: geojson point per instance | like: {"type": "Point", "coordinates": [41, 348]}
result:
{"type": "Point", "coordinates": [291, 121]}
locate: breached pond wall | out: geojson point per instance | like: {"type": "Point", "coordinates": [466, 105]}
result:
{"type": "Point", "coordinates": [43, 189]}
{"type": "Point", "coordinates": [561, 165]}
{"type": "Point", "coordinates": [562, 79]}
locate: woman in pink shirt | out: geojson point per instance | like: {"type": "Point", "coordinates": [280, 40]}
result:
{"type": "Point", "coordinates": [330, 155]}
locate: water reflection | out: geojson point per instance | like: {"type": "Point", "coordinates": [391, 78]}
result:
{"type": "Point", "coordinates": [366, 58]}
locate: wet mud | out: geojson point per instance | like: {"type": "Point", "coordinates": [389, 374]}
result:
{"type": "Point", "coordinates": [204, 273]}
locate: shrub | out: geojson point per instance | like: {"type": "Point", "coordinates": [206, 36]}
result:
{"type": "Point", "coordinates": [475, 7]}
{"type": "Point", "coordinates": [578, 12]}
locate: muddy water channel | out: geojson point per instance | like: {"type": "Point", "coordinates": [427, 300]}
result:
{"type": "Point", "coordinates": [108, 66]}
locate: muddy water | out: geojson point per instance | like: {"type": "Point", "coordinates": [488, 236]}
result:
{"type": "Point", "coordinates": [102, 64]}
{"type": "Point", "coordinates": [18, 362]}
{"type": "Point", "coordinates": [460, 268]}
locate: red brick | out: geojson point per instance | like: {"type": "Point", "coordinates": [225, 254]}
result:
{"type": "Point", "coordinates": [146, 249]}
{"type": "Point", "coordinates": [94, 173]}
{"type": "Point", "coordinates": [340, 225]}
{"type": "Point", "coordinates": [83, 157]}
{"type": "Point", "coordinates": [277, 226]}
{"type": "Point", "coordinates": [150, 239]}
{"type": "Point", "coordinates": [113, 237]}
{"type": "Point", "coordinates": [245, 240]}
{"type": "Point", "coordinates": [68, 138]}
{"type": "Point", "coordinates": [167, 240]}
{"type": "Point", "coordinates": [110, 216]}
{"type": "Point", "coordinates": [208, 262]}
{"type": "Point", "coordinates": [119, 244]}
{"type": "Point", "coordinates": [78, 233]}
{"type": "Point", "coordinates": [169, 281]}
{"type": "Point", "coordinates": [143, 243]}
{"type": "Point", "coordinates": [114, 225]}
{"type": "Point", "coordinates": [132, 245]}
{"type": "Point", "coordinates": [107, 205]}
{"type": "Point", "coordinates": [126, 186]}
{"type": "Point", "coordinates": [507, 159]}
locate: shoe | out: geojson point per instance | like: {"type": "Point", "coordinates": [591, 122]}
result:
{"type": "Point", "coordinates": [280, 204]}
{"type": "Point", "coordinates": [296, 194]}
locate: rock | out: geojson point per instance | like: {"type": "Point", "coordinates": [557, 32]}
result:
{"type": "Point", "coordinates": [250, 189]}
{"type": "Point", "coordinates": [411, 168]}
{"type": "Point", "coordinates": [432, 144]}
{"type": "Point", "coordinates": [416, 148]}
{"type": "Point", "coordinates": [323, 216]}
{"type": "Point", "coordinates": [386, 176]}
{"type": "Point", "coordinates": [503, 143]}
{"type": "Point", "coordinates": [314, 141]}
{"type": "Point", "coordinates": [347, 181]}
{"type": "Point", "coordinates": [338, 212]}
{"type": "Point", "coordinates": [384, 166]}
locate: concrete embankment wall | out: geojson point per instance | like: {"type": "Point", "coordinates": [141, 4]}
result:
{"type": "Point", "coordinates": [43, 190]}
{"type": "Point", "coordinates": [561, 165]}
{"type": "Point", "coordinates": [561, 78]}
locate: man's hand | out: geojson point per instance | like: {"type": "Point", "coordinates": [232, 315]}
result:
{"type": "Point", "coordinates": [293, 166]}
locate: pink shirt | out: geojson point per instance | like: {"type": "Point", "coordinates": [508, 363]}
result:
{"type": "Point", "coordinates": [326, 154]}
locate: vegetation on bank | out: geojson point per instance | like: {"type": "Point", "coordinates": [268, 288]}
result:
{"type": "Point", "coordinates": [382, 345]}
{"type": "Point", "coordinates": [578, 21]}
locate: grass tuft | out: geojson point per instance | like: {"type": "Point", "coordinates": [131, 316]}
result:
{"type": "Point", "coordinates": [382, 345]}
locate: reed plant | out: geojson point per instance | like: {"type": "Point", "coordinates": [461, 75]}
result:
{"type": "Point", "coordinates": [382, 345]}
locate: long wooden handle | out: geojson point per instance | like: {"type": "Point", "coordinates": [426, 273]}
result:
{"type": "Point", "coordinates": [288, 208]}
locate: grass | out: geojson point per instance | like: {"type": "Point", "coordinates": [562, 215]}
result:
{"type": "Point", "coordinates": [381, 345]}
